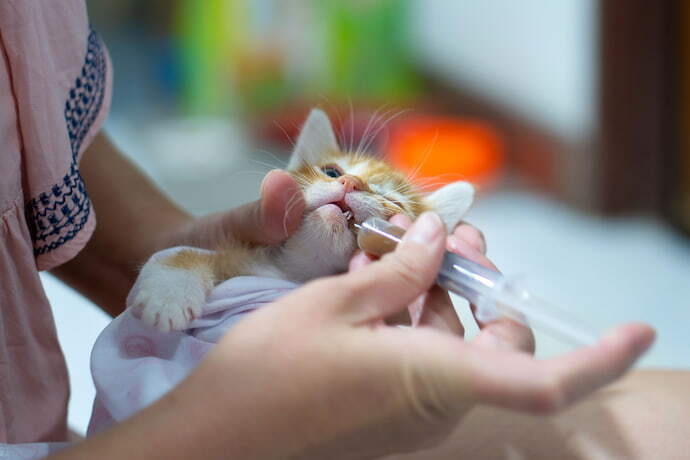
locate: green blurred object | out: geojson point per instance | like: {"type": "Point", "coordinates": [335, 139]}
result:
{"type": "Point", "coordinates": [208, 31]}
{"type": "Point", "coordinates": [256, 56]}
{"type": "Point", "coordinates": [367, 50]}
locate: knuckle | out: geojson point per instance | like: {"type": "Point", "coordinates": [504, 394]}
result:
{"type": "Point", "coordinates": [471, 231]}
{"type": "Point", "coordinates": [424, 398]}
{"type": "Point", "coordinates": [549, 397]}
{"type": "Point", "coordinates": [408, 271]}
{"type": "Point", "coordinates": [473, 236]}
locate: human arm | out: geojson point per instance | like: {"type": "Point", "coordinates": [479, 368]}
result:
{"type": "Point", "coordinates": [136, 219]}
{"type": "Point", "coordinates": [318, 375]}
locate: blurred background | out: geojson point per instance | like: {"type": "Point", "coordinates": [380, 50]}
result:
{"type": "Point", "coordinates": [570, 117]}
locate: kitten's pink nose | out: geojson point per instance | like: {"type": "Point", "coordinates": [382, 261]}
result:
{"type": "Point", "coordinates": [351, 183]}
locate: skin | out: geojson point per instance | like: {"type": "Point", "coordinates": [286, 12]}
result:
{"type": "Point", "coordinates": [123, 195]}
{"type": "Point", "coordinates": [642, 416]}
{"type": "Point", "coordinates": [308, 369]}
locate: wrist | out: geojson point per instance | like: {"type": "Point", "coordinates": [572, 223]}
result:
{"type": "Point", "coordinates": [163, 229]}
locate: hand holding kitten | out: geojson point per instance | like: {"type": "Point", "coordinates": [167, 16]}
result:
{"type": "Point", "coordinates": [270, 220]}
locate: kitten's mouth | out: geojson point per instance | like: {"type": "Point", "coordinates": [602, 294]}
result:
{"type": "Point", "coordinates": [347, 212]}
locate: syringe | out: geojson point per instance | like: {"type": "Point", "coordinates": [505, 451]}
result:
{"type": "Point", "coordinates": [493, 294]}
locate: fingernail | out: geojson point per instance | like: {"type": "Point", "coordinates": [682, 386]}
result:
{"type": "Point", "coordinates": [426, 229]}
{"type": "Point", "coordinates": [642, 336]}
{"type": "Point", "coordinates": [462, 247]}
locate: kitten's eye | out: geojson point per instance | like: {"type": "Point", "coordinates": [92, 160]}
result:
{"type": "Point", "coordinates": [332, 171]}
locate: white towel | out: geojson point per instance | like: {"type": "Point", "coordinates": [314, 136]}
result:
{"type": "Point", "coordinates": [133, 364]}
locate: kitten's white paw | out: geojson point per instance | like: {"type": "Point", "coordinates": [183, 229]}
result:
{"type": "Point", "coordinates": [168, 298]}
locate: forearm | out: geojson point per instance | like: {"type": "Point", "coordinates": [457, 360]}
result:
{"type": "Point", "coordinates": [133, 218]}
{"type": "Point", "coordinates": [204, 417]}
{"type": "Point", "coordinates": [172, 428]}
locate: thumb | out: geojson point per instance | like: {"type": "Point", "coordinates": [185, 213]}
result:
{"type": "Point", "coordinates": [272, 218]}
{"type": "Point", "coordinates": [389, 285]}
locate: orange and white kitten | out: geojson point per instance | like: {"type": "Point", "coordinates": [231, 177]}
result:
{"type": "Point", "coordinates": [340, 188]}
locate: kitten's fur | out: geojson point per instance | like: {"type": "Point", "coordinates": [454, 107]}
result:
{"type": "Point", "coordinates": [172, 290]}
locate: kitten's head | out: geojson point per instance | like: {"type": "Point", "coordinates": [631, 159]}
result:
{"type": "Point", "coordinates": [341, 188]}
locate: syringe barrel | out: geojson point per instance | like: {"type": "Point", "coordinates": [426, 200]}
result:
{"type": "Point", "coordinates": [472, 281]}
{"type": "Point", "coordinates": [493, 294]}
{"type": "Point", "coordinates": [461, 276]}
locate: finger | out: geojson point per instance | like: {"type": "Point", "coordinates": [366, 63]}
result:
{"type": "Point", "coordinates": [502, 332]}
{"type": "Point", "coordinates": [465, 249]}
{"type": "Point", "coordinates": [274, 217]}
{"type": "Point", "coordinates": [359, 260]}
{"type": "Point", "coordinates": [471, 235]}
{"type": "Point", "coordinates": [401, 221]}
{"type": "Point", "coordinates": [383, 288]}
{"type": "Point", "coordinates": [410, 315]}
{"type": "Point", "coordinates": [362, 258]}
{"type": "Point", "coordinates": [402, 317]}
{"type": "Point", "coordinates": [517, 381]}
{"type": "Point", "coordinates": [437, 311]}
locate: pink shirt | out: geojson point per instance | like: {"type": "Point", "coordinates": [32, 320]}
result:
{"type": "Point", "coordinates": [55, 80]}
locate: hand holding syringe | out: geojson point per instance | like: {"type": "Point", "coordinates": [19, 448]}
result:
{"type": "Point", "coordinates": [493, 294]}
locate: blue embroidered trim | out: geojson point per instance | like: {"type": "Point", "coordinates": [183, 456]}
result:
{"type": "Point", "coordinates": [58, 215]}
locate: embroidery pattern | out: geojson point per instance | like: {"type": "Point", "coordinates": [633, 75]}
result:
{"type": "Point", "coordinates": [56, 216]}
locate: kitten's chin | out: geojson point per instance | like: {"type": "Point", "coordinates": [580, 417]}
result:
{"type": "Point", "coordinates": [333, 219]}
{"type": "Point", "coordinates": [330, 233]}
{"type": "Point", "coordinates": [322, 246]}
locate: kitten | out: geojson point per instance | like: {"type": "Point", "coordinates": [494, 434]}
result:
{"type": "Point", "coordinates": [339, 189]}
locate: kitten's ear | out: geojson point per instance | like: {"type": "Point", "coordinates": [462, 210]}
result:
{"type": "Point", "coordinates": [315, 140]}
{"type": "Point", "coordinates": [451, 202]}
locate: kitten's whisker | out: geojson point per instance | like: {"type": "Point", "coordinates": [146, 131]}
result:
{"type": "Point", "coordinates": [427, 152]}
{"type": "Point", "coordinates": [268, 165]}
{"type": "Point", "coordinates": [352, 125]}
{"type": "Point", "coordinates": [403, 188]}
{"type": "Point", "coordinates": [436, 184]}
{"type": "Point", "coordinates": [235, 174]}
{"type": "Point", "coordinates": [370, 123]}
{"type": "Point", "coordinates": [454, 175]}
{"type": "Point", "coordinates": [279, 160]}
{"type": "Point", "coordinates": [292, 202]}
{"type": "Point", "coordinates": [355, 152]}
{"type": "Point", "coordinates": [340, 136]}
{"type": "Point", "coordinates": [292, 142]}
{"type": "Point", "coordinates": [384, 124]}
{"type": "Point", "coordinates": [430, 186]}
{"type": "Point", "coordinates": [246, 171]}
{"type": "Point", "coordinates": [447, 174]}
{"type": "Point", "coordinates": [370, 137]}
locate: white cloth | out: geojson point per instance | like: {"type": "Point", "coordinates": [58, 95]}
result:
{"type": "Point", "coordinates": [133, 364]}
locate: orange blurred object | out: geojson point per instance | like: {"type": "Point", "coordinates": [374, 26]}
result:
{"type": "Point", "coordinates": [437, 150]}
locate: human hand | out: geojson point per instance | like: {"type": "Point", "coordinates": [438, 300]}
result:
{"type": "Point", "coordinates": [268, 221]}
{"type": "Point", "coordinates": [322, 376]}
{"type": "Point", "coordinates": [437, 310]}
